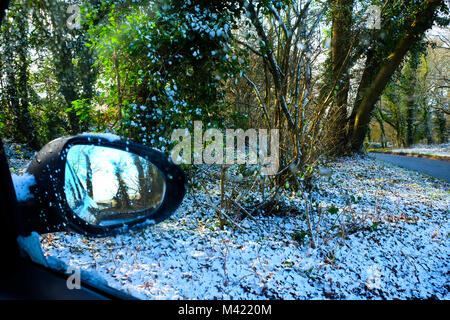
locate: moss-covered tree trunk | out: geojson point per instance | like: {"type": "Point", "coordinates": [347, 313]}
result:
{"type": "Point", "coordinates": [17, 65]}
{"type": "Point", "coordinates": [341, 43]}
{"type": "Point", "coordinates": [422, 21]}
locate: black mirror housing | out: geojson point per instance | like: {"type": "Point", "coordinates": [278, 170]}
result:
{"type": "Point", "coordinates": [49, 211]}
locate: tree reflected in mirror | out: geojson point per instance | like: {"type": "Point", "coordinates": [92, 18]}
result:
{"type": "Point", "coordinates": [106, 186]}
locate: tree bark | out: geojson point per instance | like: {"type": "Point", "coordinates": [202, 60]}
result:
{"type": "Point", "coordinates": [18, 85]}
{"type": "Point", "coordinates": [340, 47]}
{"type": "Point", "coordinates": [423, 21]}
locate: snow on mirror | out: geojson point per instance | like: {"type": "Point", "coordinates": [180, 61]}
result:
{"type": "Point", "coordinates": [106, 186]}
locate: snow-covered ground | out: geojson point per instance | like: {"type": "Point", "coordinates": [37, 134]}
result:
{"type": "Point", "coordinates": [381, 232]}
{"type": "Point", "coordinates": [18, 155]}
{"type": "Point", "coordinates": [442, 150]}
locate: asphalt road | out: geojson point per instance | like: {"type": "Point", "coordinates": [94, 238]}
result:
{"type": "Point", "coordinates": [436, 168]}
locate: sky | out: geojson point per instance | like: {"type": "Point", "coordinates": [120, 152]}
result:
{"type": "Point", "coordinates": [103, 161]}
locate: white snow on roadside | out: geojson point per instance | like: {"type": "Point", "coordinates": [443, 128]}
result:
{"type": "Point", "coordinates": [383, 233]}
{"type": "Point", "coordinates": [433, 150]}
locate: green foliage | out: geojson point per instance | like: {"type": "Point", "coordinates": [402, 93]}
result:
{"type": "Point", "coordinates": [15, 61]}
{"type": "Point", "coordinates": [407, 102]}
{"type": "Point", "coordinates": [355, 199]}
{"type": "Point", "coordinates": [55, 70]}
{"type": "Point", "coordinates": [287, 265]}
{"type": "Point", "coordinates": [375, 226]}
{"type": "Point", "coordinates": [144, 69]}
{"type": "Point", "coordinates": [333, 209]}
{"type": "Point", "coordinates": [162, 66]}
{"type": "Point", "coordinates": [83, 110]}
{"type": "Point", "coordinates": [300, 236]}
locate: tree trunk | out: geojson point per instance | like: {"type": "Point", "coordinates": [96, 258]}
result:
{"type": "Point", "coordinates": [440, 123]}
{"type": "Point", "coordinates": [340, 47]}
{"type": "Point", "coordinates": [18, 86]}
{"type": "Point", "coordinates": [64, 68]}
{"type": "Point", "coordinates": [379, 118]}
{"type": "Point", "coordinates": [423, 21]}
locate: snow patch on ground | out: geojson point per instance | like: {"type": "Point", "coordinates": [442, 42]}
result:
{"type": "Point", "coordinates": [18, 156]}
{"type": "Point", "coordinates": [381, 232]}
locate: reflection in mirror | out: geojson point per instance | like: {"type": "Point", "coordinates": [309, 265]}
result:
{"type": "Point", "coordinates": [106, 186]}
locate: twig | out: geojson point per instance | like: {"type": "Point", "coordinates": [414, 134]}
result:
{"type": "Point", "coordinates": [415, 268]}
{"type": "Point", "coordinates": [247, 214]}
{"type": "Point", "coordinates": [313, 245]}
{"type": "Point", "coordinates": [220, 212]}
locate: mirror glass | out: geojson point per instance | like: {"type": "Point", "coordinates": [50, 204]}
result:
{"type": "Point", "coordinates": [106, 186]}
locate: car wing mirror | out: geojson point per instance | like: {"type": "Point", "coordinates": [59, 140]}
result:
{"type": "Point", "coordinates": [100, 185]}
